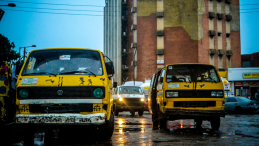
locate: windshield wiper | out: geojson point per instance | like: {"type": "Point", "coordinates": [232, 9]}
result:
{"type": "Point", "coordinates": [213, 79]}
{"type": "Point", "coordinates": [72, 72]}
{"type": "Point", "coordinates": [136, 90]}
{"type": "Point", "coordinates": [38, 73]}
{"type": "Point", "coordinates": [126, 90]}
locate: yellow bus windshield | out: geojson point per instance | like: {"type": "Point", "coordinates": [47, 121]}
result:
{"type": "Point", "coordinates": [63, 61]}
{"type": "Point", "coordinates": [191, 73]}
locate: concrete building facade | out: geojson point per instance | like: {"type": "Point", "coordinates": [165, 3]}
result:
{"type": "Point", "coordinates": [161, 32]}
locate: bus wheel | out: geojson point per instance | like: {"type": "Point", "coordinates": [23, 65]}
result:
{"type": "Point", "coordinates": [49, 137]}
{"type": "Point", "coordinates": [132, 113]}
{"type": "Point", "coordinates": [198, 123]}
{"type": "Point", "coordinates": [29, 136]}
{"type": "Point", "coordinates": [140, 112]}
{"type": "Point", "coordinates": [154, 121]}
{"type": "Point", "coordinates": [108, 127]}
{"type": "Point", "coordinates": [162, 121]}
{"type": "Point", "coordinates": [215, 123]}
{"type": "Point", "coordinates": [116, 113]}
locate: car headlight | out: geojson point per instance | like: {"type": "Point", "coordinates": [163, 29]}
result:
{"type": "Point", "coordinates": [23, 93]}
{"type": "Point", "coordinates": [98, 92]}
{"type": "Point", "coordinates": [142, 99]}
{"type": "Point", "coordinates": [120, 99]}
{"type": "Point", "coordinates": [171, 94]}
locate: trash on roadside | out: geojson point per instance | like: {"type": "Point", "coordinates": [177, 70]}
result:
{"type": "Point", "coordinates": [235, 139]}
{"type": "Point", "coordinates": [171, 130]}
{"type": "Point", "coordinates": [214, 134]}
{"type": "Point", "coordinates": [205, 134]}
{"type": "Point", "coordinates": [207, 130]}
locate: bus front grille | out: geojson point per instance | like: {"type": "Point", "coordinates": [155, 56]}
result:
{"type": "Point", "coordinates": [194, 103]}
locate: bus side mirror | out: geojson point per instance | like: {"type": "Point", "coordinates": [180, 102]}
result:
{"type": "Point", "coordinates": [18, 69]}
{"type": "Point", "coordinates": [114, 84]}
{"type": "Point", "coordinates": [109, 68]}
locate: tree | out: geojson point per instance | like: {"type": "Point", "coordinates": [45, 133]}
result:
{"type": "Point", "coordinates": [6, 50]}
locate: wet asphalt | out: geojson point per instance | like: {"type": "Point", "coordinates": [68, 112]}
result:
{"type": "Point", "coordinates": [241, 129]}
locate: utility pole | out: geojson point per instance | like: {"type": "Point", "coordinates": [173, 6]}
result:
{"type": "Point", "coordinates": [134, 64]}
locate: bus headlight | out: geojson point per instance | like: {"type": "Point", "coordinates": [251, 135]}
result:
{"type": "Point", "coordinates": [171, 94]}
{"type": "Point", "coordinates": [142, 99]}
{"type": "Point", "coordinates": [23, 93]}
{"type": "Point", "coordinates": [217, 93]}
{"type": "Point", "coordinates": [220, 93]}
{"type": "Point", "coordinates": [213, 93]}
{"type": "Point", "coordinates": [120, 99]}
{"type": "Point", "coordinates": [98, 92]}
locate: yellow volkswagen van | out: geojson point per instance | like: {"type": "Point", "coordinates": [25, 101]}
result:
{"type": "Point", "coordinates": [65, 86]}
{"type": "Point", "coordinates": [186, 91]}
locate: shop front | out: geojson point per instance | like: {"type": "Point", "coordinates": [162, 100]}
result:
{"type": "Point", "coordinates": [244, 82]}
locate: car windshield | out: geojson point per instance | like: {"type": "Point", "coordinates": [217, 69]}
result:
{"type": "Point", "coordinates": [191, 73]}
{"type": "Point", "coordinates": [63, 61]}
{"type": "Point", "coordinates": [243, 99]}
{"type": "Point", "coordinates": [130, 90]}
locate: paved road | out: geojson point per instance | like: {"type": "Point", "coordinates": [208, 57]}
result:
{"type": "Point", "coordinates": [235, 130]}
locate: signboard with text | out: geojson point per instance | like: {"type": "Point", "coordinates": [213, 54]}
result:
{"type": "Point", "coordinates": [250, 75]}
{"type": "Point", "coordinates": [227, 86]}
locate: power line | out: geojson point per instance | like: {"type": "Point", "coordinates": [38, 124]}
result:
{"type": "Point", "coordinates": [53, 4]}
{"type": "Point", "coordinates": [86, 5]}
{"type": "Point", "coordinates": [109, 14]}
{"type": "Point", "coordinates": [100, 11]}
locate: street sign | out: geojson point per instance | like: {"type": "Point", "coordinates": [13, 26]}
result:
{"type": "Point", "coordinates": [227, 86]}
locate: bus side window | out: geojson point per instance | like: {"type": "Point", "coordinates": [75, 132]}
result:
{"type": "Point", "coordinates": [160, 79]}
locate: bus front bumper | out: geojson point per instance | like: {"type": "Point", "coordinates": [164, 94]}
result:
{"type": "Point", "coordinates": [195, 113]}
{"type": "Point", "coordinates": [61, 119]}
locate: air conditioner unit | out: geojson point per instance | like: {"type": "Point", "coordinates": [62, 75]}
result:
{"type": "Point", "coordinates": [133, 63]}
{"type": "Point", "coordinates": [134, 10]}
{"type": "Point", "coordinates": [211, 15]}
{"type": "Point", "coordinates": [212, 33]}
{"type": "Point", "coordinates": [133, 27]}
{"type": "Point", "coordinates": [124, 33]}
{"type": "Point", "coordinates": [212, 51]}
{"type": "Point", "coordinates": [220, 16]}
{"type": "Point", "coordinates": [124, 67]}
{"type": "Point", "coordinates": [124, 50]}
{"type": "Point", "coordinates": [228, 17]}
{"type": "Point", "coordinates": [133, 45]}
{"type": "Point", "coordinates": [124, 2]}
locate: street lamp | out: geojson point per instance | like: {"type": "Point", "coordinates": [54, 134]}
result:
{"type": "Point", "coordinates": [24, 51]}
{"type": "Point", "coordinates": [2, 11]}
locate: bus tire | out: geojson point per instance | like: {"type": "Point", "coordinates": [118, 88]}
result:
{"type": "Point", "coordinates": [154, 121]}
{"type": "Point", "coordinates": [29, 136]}
{"type": "Point", "coordinates": [49, 137]}
{"type": "Point", "coordinates": [140, 112]}
{"type": "Point", "coordinates": [215, 123]}
{"type": "Point", "coordinates": [198, 123]}
{"type": "Point", "coordinates": [132, 113]}
{"type": "Point", "coordinates": [116, 113]}
{"type": "Point", "coordinates": [108, 128]}
{"type": "Point", "coordinates": [162, 120]}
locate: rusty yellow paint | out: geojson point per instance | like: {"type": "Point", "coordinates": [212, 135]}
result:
{"type": "Point", "coordinates": [147, 7]}
{"type": "Point", "coordinates": [186, 14]}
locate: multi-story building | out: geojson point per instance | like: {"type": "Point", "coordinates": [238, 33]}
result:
{"type": "Point", "coordinates": [142, 36]}
{"type": "Point", "coordinates": [250, 60]}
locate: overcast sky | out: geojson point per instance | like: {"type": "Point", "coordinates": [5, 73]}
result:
{"type": "Point", "coordinates": [49, 30]}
